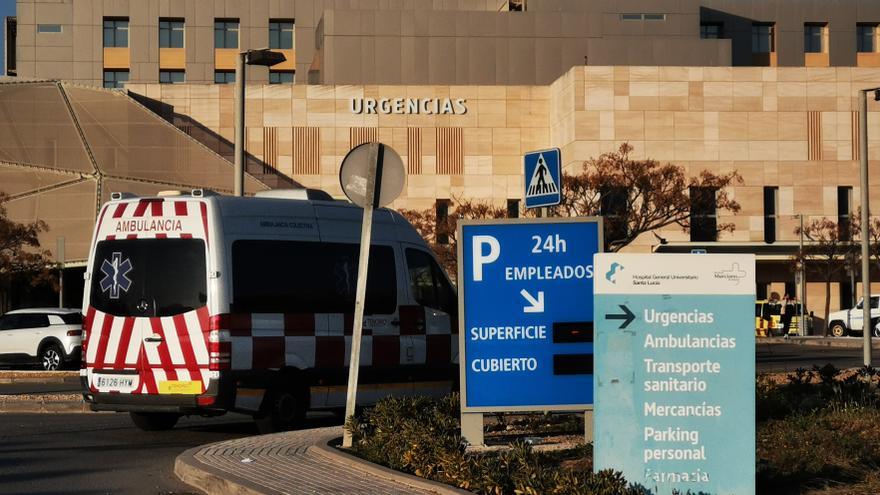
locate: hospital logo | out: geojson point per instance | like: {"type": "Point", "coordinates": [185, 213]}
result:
{"type": "Point", "coordinates": [611, 274]}
{"type": "Point", "coordinates": [734, 274]}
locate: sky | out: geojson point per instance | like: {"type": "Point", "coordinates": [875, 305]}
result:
{"type": "Point", "coordinates": [7, 8]}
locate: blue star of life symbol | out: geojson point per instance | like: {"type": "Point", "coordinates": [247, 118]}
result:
{"type": "Point", "coordinates": [115, 275]}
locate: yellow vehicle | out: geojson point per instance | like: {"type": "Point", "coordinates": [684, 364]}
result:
{"type": "Point", "coordinates": [768, 319]}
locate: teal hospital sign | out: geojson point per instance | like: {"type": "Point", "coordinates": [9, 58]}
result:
{"type": "Point", "coordinates": [675, 371]}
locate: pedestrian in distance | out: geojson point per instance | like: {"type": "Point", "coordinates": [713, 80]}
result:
{"type": "Point", "coordinates": [787, 313]}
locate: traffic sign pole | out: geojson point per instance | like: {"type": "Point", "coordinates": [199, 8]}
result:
{"type": "Point", "coordinates": [372, 194]}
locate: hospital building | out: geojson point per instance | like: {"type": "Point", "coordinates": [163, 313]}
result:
{"type": "Point", "coordinates": [137, 96]}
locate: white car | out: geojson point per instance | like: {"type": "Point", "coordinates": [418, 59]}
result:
{"type": "Point", "coordinates": [50, 337]}
{"type": "Point", "coordinates": [849, 321]}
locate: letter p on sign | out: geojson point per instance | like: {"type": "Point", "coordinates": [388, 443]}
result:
{"type": "Point", "coordinates": [481, 259]}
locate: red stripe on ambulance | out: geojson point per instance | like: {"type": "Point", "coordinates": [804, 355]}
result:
{"type": "Point", "coordinates": [161, 349]}
{"type": "Point", "coordinates": [102, 341]}
{"type": "Point", "coordinates": [186, 347]}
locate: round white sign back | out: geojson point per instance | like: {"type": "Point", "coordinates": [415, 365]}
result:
{"type": "Point", "coordinates": [390, 173]}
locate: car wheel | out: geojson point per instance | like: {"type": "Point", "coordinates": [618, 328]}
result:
{"type": "Point", "coordinates": [282, 410]}
{"type": "Point", "coordinates": [154, 421]}
{"type": "Point", "coordinates": [876, 332]}
{"type": "Point", "coordinates": [50, 357]}
{"type": "Point", "coordinates": [838, 330]}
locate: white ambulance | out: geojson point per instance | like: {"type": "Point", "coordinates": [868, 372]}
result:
{"type": "Point", "coordinates": [200, 304]}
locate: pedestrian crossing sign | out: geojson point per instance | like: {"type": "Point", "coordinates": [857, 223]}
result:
{"type": "Point", "coordinates": [542, 178]}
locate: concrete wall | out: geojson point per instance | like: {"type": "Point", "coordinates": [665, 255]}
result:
{"type": "Point", "coordinates": [434, 41]}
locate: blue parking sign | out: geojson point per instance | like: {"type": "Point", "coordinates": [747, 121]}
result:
{"type": "Point", "coordinates": [543, 179]}
{"type": "Point", "coordinates": [526, 313]}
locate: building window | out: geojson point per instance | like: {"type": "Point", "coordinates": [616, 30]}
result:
{"type": "Point", "coordinates": [11, 28]}
{"type": "Point", "coordinates": [516, 5]}
{"type": "Point", "coordinates": [791, 289]}
{"type": "Point", "coordinates": [512, 208]}
{"type": "Point", "coordinates": [226, 34]}
{"type": "Point", "coordinates": [710, 30]}
{"type": "Point", "coordinates": [115, 78]}
{"type": "Point", "coordinates": [760, 293]}
{"type": "Point", "coordinates": [224, 76]}
{"type": "Point", "coordinates": [771, 195]}
{"type": "Point", "coordinates": [281, 77]}
{"type": "Point", "coordinates": [642, 17]}
{"type": "Point", "coordinates": [172, 76]}
{"type": "Point", "coordinates": [814, 38]}
{"type": "Point", "coordinates": [170, 33]}
{"type": "Point", "coordinates": [281, 35]}
{"type": "Point", "coordinates": [866, 38]}
{"type": "Point", "coordinates": [612, 207]}
{"type": "Point", "coordinates": [846, 296]}
{"type": "Point", "coordinates": [48, 28]}
{"type": "Point", "coordinates": [704, 223]}
{"type": "Point", "coordinates": [762, 38]}
{"type": "Point", "coordinates": [441, 213]}
{"type": "Point", "coordinates": [844, 212]}
{"type": "Point", "coordinates": [115, 33]}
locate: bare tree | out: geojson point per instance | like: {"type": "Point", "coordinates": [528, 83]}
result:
{"type": "Point", "coordinates": [633, 196]}
{"type": "Point", "coordinates": [441, 234]}
{"type": "Point", "coordinates": [825, 253]}
{"type": "Point", "coordinates": [20, 254]}
{"type": "Point", "coordinates": [644, 195]}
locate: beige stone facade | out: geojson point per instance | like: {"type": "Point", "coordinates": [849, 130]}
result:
{"type": "Point", "coordinates": [795, 129]}
{"type": "Point", "coordinates": [792, 128]}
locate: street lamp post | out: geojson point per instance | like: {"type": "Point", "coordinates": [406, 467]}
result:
{"type": "Point", "coordinates": [867, 326]}
{"type": "Point", "coordinates": [801, 277]}
{"type": "Point", "coordinates": [264, 57]}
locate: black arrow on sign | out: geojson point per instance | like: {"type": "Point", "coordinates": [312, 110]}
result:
{"type": "Point", "coordinates": [627, 316]}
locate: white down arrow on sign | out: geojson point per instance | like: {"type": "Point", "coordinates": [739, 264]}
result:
{"type": "Point", "coordinates": [537, 305]}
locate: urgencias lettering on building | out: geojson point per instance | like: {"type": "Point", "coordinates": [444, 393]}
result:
{"type": "Point", "coordinates": [407, 106]}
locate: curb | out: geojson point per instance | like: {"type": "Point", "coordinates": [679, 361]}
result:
{"type": "Point", "coordinates": [208, 479]}
{"type": "Point", "coordinates": [43, 405]}
{"type": "Point", "coordinates": [843, 342]}
{"type": "Point", "coordinates": [334, 454]}
{"type": "Point", "coordinates": [47, 377]}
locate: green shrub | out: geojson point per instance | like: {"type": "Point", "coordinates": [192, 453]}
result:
{"type": "Point", "coordinates": [822, 449]}
{"type": "Point", "coordinates": [818, 389]}
{"type": "Point", "coordinates": [422, 437]}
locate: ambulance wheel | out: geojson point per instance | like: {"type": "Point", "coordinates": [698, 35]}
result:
{"type": "Point", "coordinates": [838, 330]}
{"type": "Point", "coordinates": [283, 409]}
{"type": "Point", "coordinates": [154, 421]}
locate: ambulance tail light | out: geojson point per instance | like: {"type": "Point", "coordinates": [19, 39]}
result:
{"type": "Point", "coordinates": [219, 345]}
{"type": "Point", "coordinates": [86, 325]}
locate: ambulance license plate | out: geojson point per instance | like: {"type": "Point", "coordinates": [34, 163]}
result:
{"type": "Point", "coordinates": [114, 382]}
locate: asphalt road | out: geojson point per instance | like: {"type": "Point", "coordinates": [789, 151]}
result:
{"type": "Point", "coordinates": [789, 357]}
{"type": "Point", "coordinates": [103, 453]}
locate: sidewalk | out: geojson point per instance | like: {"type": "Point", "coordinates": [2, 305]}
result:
{"type": "Point", "coordinates": [296, 462]}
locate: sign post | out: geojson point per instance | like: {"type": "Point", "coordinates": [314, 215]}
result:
{"type": "Point", "coordinates": [525, 317]}
{"type": "Point", "coordinates": [61, 258]}
{"type": "Point", "coordinates": [675, 371]}
{"type": "Point", "coordinates": [371, 176]}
